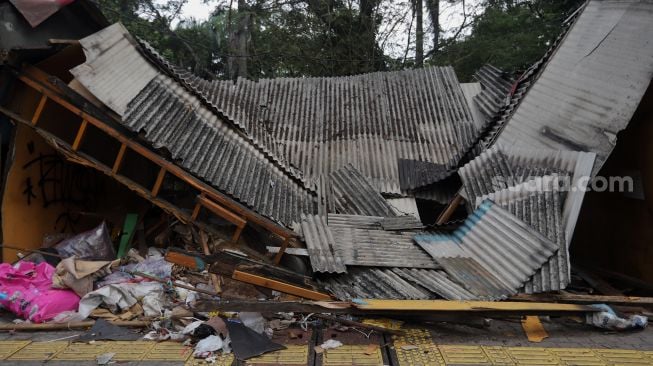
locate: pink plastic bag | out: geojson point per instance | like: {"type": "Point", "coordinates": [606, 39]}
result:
{"type": "Point", "coordinates": [27, 292]}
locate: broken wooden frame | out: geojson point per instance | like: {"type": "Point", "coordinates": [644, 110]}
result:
{"type": "Point", "coordinates": [250, 271]}
{"type": "Point", "coordinates": [215, 202]}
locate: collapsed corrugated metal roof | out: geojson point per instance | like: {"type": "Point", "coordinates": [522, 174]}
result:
{"type": "Point", "coordinates": [323, 252]}
{"type": "Point", "coordinates": [475, 278]}
{"type": "Point", "coordinates": [496, 86]}
{"type": "Point", "coordinates": [369, 121]}
{"type": "Point", "coordinates": [505, 246]}
{"type": "Point", "coordinates": [362, 242]}
{"type": "Point", "coordinates": [592, 84]}
{"type": "Point", "coordinates": [415, 174]}
{"type": "Point", "coordinates": [349, 192]}
{"type": "Point", "coordinates": [538, 203]}
{"type": "Point", "coordinates": [395, 283]}
{"type": "Point", "coordinates": [500, 168]}
{"type": "Point", "coordinates": [147, 100]}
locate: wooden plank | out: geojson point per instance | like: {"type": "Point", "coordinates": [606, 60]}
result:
{"type": "Point", "coordinates": [586, 299]}
{"type": "Point", "coordinates": [119, 157]}
{"type": "Point", "coordinates": [279, 286]}
{"type": "Point", "coordinates": [449, 305]}
{"type": "Point", "coordinates": [80, 135]}
{"type": "Point", "coordinates": [39, 109]}
{"type": "Point", "coordinates": [28, 78]}
{"type": "Point", "coordinates": [158, 182]}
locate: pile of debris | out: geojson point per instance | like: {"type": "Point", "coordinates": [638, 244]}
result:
{"type": "Point", "coordinates": [278, 199]}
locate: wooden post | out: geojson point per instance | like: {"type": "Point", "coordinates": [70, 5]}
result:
{"type": "Point", "coordinates": [205, 247]}
{"type": "Point", "coordinates": [239, 230]}
{"type": "Point", "coordinates": [196, 211]}
{"type": "Point", "coordinates": [80, 135]}
{"type": "Point", "coordinates": [159, 181]}
{"type": "Point", "coordinates": [284, 246]}
{"type": "Point", "coordinates": [39, 109]}
{"type": "Point", "coordinates": [118, 162]}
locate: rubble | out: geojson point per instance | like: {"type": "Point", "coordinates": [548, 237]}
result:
{"type": "Point", "coordinates": [232, 243]}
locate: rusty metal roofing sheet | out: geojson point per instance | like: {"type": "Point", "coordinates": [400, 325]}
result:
{"type": "Point", "coordinates": [352, 193]}
{"type": "Point", "coordinates": [504, 245]}
{"type": "Point", "coordinates": [322, 249]}
{"type": "Point", "coordinates": [369, 121]}
{"type": "Point", "coordinates": [147, 100]}
{"type": "Point", "coordinates": [395, 283]}
{"type": "Point", "coordinates": [592, 84]}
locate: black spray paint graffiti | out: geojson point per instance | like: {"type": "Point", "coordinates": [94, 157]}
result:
{"type": "Point", "coordinates": [59, 182]}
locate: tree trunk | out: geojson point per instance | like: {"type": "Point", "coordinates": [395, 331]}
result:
{"type": "Point", "coordinates": [237, 61]}
{"type": "Point", "coordinates": [433, 7]}
{"type": "Point", "coordinates": [419, 33]}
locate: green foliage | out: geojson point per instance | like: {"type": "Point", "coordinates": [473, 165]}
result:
{"type": "Point", "coordinates": [508, 34]}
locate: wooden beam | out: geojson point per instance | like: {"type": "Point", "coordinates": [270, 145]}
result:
{"type": "Point", "coordinates": [586, 299]}
{"type": "Point", "coordinates": [597, 283]}
{"type": "Point", "coordinates": [158, 182]}
{"type": "Point", "coordinates": [451, 208]}
{"type": "Point", "coordinates": [80, 135]}
{"type": "Point", "coordinates": [39, 109]}
{"type": "Point", "coordinates": [196, 211]}
{"type": "Point", "coordinates": [279, 286]}
{"type": "Point", "coordinates": [204, 241]}
{"type": "Point", "coordinates": [279, 255]}
{"type": "Point", "coordinates": [222, 212]}
{"type": "Point", "coordinates": [32, 74]}
{"type": "Point", "coordinates": [118, 162]}
{"type": "Point", "coordinates": [449, 305]}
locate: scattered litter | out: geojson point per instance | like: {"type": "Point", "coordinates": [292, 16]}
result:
{"type": "Point", "coordinates": [331, 343]}
{"type": "Point", "coordinates": [408, 347]}
{"type": "Point", "coordinates": [371, 349]}
{"type": "Point", "coordinates": [102, 330]}
{"type": "Point", "coordinates": [104, 358]}
{"type": "Point", "coordinates": [28, 293]}
{"type": "Point", "coordinates": [206, 346]}
{"type": "Point", "coordinates": [247, 343]}
{"type": "Point", "coordinates": [94, 244]}
{"type": "Point", "coordinates": [608, 319]}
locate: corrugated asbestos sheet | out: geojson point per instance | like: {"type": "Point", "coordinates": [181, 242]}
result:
{"type": "Point", "coordinates": [117, 74]}
{"type": "Point", "coordinates": [502, 244]}
{"type": "Point", "coordinates": [404, 206]}
{"type": "Point", "coordinates": [475, 278]}
{"type": "Point", "coordinates": [415, 174]}
{"type": "Point", "coordinates": [351, 193]}
{"type": "Point", "coordinates": [322, 250]}
{"type": "Point", "coordinates": [370, 121]}
{"type": "Point", "coordinates": [538, 203]}
{"type": "Point", "coordinates": [471, 90]}
{"type": "Point", "coordinates": [407, 222]}
{"type": "Point", "coordinates": [591, 85]}
{"type": "Point", "coordinates": [395, 283]}
{"type": "Point", "coordinates": [362, 241]}
{"type": "Point", "coordinates": [496, 86]}
{"type": "Point", "coordinates": [501, 167]}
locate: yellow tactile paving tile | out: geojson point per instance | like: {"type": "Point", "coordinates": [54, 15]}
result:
{"type": "Point", "coordinates": [82, 351]}
{"type": "Point", "coordinates": [351, 355]}
{"type": "Point", "coordinates": [419, 355]}
{"type": "Point", "coordinates": [464, 355]}
{"type": "Point", "coordinates": [8, 348]}
{"type": "Point", "coordinates": [130, 350]}
{"type": "Point", "coordinates": [292, 355]}
{"type": "Point", "coordinates": [39, 351]}
{"type": "Point", "coordinates": [168, 351]}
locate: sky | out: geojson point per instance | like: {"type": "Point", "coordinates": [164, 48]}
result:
{"type": "Point", "coordinates": [451, 17]}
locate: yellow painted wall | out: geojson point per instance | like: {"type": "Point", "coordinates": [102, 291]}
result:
{"type": "Point", "coordinates": [25, 224]}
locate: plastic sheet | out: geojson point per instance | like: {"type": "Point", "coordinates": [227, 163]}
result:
{"type": "Point", "coordinates": [94, 244]}
{"type": "Point", "coordinates": [26, 290]}
{"type": "Point", "coordinates": [608, 319]}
